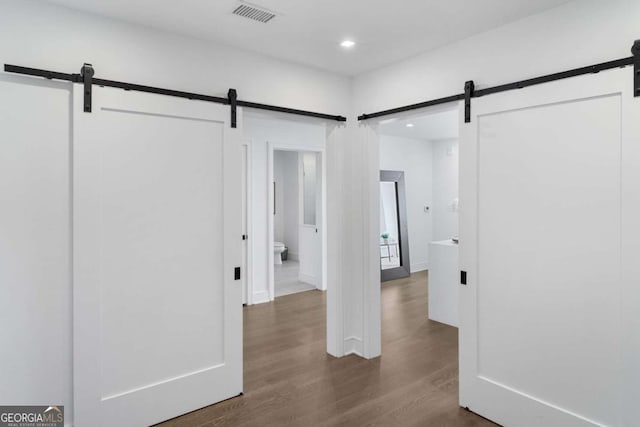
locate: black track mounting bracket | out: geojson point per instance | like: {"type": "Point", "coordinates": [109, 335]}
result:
{"type": "Point", "coordinates": [635, 50]}
{"type": "Point", "coordinates": [232, 96]}
{"type": "Point", "coordinates": [86, 72]}
{"type": "Point", "coordinates": [469, 89]}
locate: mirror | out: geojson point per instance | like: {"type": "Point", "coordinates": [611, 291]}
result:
{"type": "Point", "coordinates": [389, 226]}
{"type": "Point", "coordinates": [394, 243]}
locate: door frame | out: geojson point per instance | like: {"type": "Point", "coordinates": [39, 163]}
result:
{"type": "Point", "coordinates": [248, 232]}
{"type": "Point", "coordinates": [372, 313]}
{"type": "Point", "coordinates": [334, 141]}
{"type": "Point", "coordinates": [276, 146]}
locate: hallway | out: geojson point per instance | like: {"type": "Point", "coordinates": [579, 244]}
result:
{"type": "Point", "coordinates": [291, 381]}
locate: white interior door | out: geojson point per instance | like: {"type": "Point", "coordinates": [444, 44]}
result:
{"type": "Point", "coordinates": [157, 235]}
{"type": "Point", "coordinates": [549, 237]}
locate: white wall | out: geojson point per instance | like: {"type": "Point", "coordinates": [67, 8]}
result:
{"type": "Point", "coordinates": [414, 158]}
{"type": "Point", "coordinates": [40, 35]}
{"type": "Point", "coordinates": [445, 189]}
{"type": "Point", "coordinates": [285, 221]}
{"type": "Point", "coordinates": [261, 130]}
{"type": "Point", "coordinates": [578, 33]}
{"type": "Point", "coordinates": [35, 244]}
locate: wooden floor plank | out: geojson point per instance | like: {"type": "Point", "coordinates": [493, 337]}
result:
{"type": "Point", "coordinates": [291, 381]}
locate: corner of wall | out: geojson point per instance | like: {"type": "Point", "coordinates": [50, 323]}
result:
{"type": "Point", "coordinates": [353, 345]}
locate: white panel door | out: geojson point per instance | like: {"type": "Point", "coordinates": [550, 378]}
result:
{"type": "Point", "coordinates": [548, 235]}
{"type": "Point", "coordinates": [157, 235]}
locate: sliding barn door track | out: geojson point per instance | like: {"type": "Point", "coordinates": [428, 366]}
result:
{"type": "Point", "coordinates": [86, 77]}
{"type": "Point", "coordinates": [471, 92]}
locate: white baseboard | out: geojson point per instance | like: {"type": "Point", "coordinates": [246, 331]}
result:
{"type": "Point", "coordinates": [353, 345]}
{"type": "Point", "coordinates": [260, 297]}
{"type": "Point", "coordinates": [419, 266]}
{"type": "Point", "coordinates": [311, 280]}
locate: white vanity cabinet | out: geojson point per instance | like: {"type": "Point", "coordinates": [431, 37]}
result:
{"type": "Point", "coordinates": [443, 282]}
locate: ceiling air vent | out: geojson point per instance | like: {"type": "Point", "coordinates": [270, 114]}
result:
{"type": "Point", "coordinates": [254, 12]}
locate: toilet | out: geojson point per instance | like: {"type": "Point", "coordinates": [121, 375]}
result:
{"type": "Point", "coordinates": [278, 248]}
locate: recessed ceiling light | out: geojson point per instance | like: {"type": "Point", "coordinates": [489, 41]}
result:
{"type": "Point", "coordinates": [409, 125]}
{"type": "Point", "coordinates": [348, 43]}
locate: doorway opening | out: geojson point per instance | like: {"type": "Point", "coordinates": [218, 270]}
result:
{"type": "Point", "coordinates": [296, 221]}
{"type": "Point", "coordinates": [419, 205]}
{"type": "Point", "coordinates": [285, 206]}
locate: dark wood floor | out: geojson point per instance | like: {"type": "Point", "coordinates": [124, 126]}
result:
{"type": "Point", "coordinates": [291, 381]}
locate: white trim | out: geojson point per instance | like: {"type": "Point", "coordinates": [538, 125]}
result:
{"type": "Point", "coordinates": [372, 307]}
{"type": "Point", "coordinates": [248, 268]}
{"type": "Point", "coordinates": [419, 266]}
{"type": "Point", "coordinates": [353, 345]}
{"type": "Point", "coordinates": [260, 297]}
{"type": "Point", "coordinates": [310, 280]}
{"type": "Point", "coordinates": [336, 146]}
{"type": "Point", "coordinates": [323, 223]}
{"type": "Point", "coordinates": [270, 227]}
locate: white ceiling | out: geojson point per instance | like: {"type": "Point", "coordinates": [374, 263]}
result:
{"type": "Point", "coordinates": [309, 31]}
{"type": "Point", "coordinates": [434, 126]}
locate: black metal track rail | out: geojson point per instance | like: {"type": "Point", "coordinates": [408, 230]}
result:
{"type": "Point", "coordinates": [290, 111]}
{"type": "Point", "coordinates": [591, 69]}
{"type": "Point", "coordinates": [79, 78]}
{"type": "Point", "coordinates": [417, 106]}
{"type": "Point", "coordinates": [51, 75]}
{"type": "Point", "coordinates": [160, 91]}
{"type": "Point", "coordinates": [471, 92]}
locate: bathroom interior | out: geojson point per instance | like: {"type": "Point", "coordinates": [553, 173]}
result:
{"type": "Point", "coordinates": [419, 205]}
{"type": "Point", "coordinates": [297, 211]}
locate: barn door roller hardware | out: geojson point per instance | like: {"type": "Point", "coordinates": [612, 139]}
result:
{"type": "Point", "coordinates": [86, 77]}
{"type": "Point", "coordinates": [232, 96]}
{"type": "Point", "coordinates": [469, 88]}
{"type": "Point", "coordinates": [471, 92]}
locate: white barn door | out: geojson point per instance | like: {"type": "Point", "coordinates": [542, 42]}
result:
{"type": "Point", "coordinates": [156, 239]}
{"type": "Point", "coordinates": [549, 231]}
